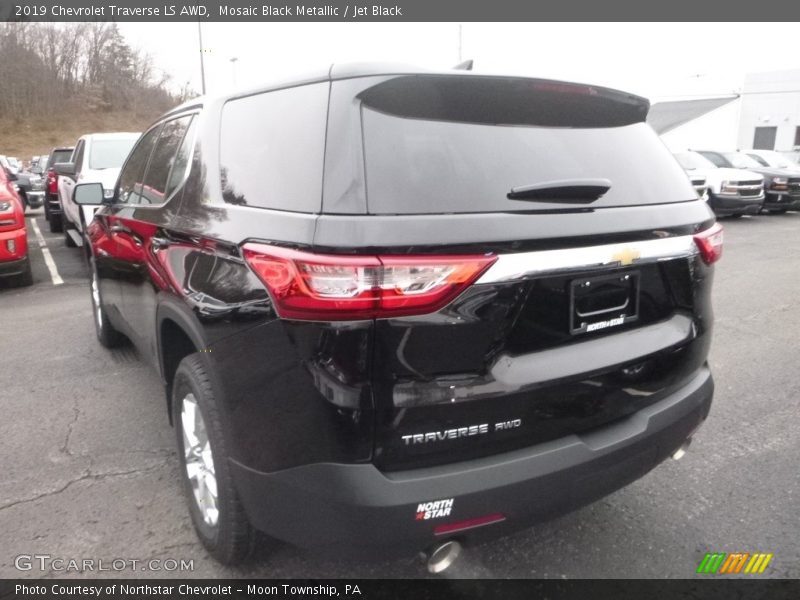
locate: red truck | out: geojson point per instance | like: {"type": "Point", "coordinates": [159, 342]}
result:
{"type": "Point", "coordinates": [14, 261]}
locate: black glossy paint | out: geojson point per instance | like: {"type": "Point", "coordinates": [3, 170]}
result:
{"type": "Point", "coordinates": [301, 393]}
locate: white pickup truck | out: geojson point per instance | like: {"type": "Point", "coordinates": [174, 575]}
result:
{"type": "Point", "coordinates": [730, 192]}
{"type": "Point", "coordinates": [97, 158]}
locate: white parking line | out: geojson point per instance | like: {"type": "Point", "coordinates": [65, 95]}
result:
{"type": "Point", "coordinates": [48, 259]}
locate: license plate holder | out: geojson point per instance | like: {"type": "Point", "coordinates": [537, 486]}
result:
{"type": "Point", "coordinates": [603, 301]}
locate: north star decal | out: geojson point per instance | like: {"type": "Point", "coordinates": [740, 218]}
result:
{"type": "Point", "coordinates": [434, 510]}
{"type": "Point", "coordinates": [604, 324]}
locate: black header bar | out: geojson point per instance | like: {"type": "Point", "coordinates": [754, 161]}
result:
{"type": "Point", "coordinates": [401, 10]}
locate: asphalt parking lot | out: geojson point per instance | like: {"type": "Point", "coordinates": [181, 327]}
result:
{"type": "Point", "coordinates": [88, 470]}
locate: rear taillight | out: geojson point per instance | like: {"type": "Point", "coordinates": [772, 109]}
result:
{"type": "Point", "coordinates": [52, 182]}
{"type": "Point", "coordinates": [331, 287]}
{"type": "Point", "coordinates": [709, 242]}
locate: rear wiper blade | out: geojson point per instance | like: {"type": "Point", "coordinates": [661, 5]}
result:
{"type": "Point", "coordinates": [574, 191]}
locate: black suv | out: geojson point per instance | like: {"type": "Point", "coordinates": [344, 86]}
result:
{"type": "Point", "coordinates": [394, 309]}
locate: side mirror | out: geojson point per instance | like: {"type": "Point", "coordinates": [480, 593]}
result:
{"type": "Point", "coordinates": [67, 169]}
{"type": "Point", "coordinates": [88, 194]}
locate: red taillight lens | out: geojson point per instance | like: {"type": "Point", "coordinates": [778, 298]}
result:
{"type": "Point", "coordinates": [330, 287]}
{"type": "Point", "coordinates": [52, 182]}
{"type": "Point", "coordinates": [468, 524]}
{"type": "Point", "coordinates": [710, 243]}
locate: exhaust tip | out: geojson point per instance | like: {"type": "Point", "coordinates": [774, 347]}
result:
{"type": "Point", "coordinates": [442, 556]}
{"type": "Point", "coordinates": [681, 452]}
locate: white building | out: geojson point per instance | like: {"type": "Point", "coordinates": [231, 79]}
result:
{"type": "Point", "coordinates": [696, 124]}
{"type": "Point", "coordinates": [770, 111]}
{"type": "Point", "coordinates": [765, 115]}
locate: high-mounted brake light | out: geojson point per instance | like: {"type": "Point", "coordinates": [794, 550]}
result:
{"type": "Point", "coordinates": [311, 286]}
{"type": "Point", "coordinates": [709, 242]}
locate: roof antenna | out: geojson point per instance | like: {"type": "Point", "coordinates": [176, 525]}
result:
{"type": "Point", "coordinates": [464, 66]}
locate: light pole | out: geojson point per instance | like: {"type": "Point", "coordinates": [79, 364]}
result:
{"type": "Point", "coordinates": [233, 60]}
{"type": "Point", "coordinates": [202, 64]}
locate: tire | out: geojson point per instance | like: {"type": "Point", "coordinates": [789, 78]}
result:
{"type": "Point", "coordinates": [56, 224]}
{"type": "Point", "coordinates": [220, 522]}
{"type": "Point", "coordinates": [778, 211]}
{"type": "Point", "coordinates": [25, 279]}
{"type": "Point", "coordinates": [736, 216]}
{"type": "Point", "coordinates": [107, 335]}
{"type": "Point", "coordinates": [24, 198]}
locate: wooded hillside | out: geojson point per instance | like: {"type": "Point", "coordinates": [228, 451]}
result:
{"type": "Point", "coordinates": [58, 81]}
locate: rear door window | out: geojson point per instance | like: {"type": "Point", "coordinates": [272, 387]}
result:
{"type": "Point", "coordinates": [272, 146]}
{"type": "Point", "coordinates": [59, 157]}
{"type": "Point", "coordinates": [132, 175]}
{"type": "Point", "coordinates": [162, 160]}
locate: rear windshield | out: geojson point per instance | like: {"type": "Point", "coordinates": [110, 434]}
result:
{"type": "Point", "coordinates": [59, 156]}
{"type": "Point", "coordinates": [110, 154]}
{"type": "Point", "coordinates": [475, 147]}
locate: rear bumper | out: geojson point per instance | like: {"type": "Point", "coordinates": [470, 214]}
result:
{"type": "Point", "coordinates": [360, 509]}
{"type": "Point", "coordinates": [53, 205]}
{"type": "Point", "coordinates": [11, 268]}
{"type": "Point", "coordinates": [35, 199]}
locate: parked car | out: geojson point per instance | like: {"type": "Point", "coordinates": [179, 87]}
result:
{"type": "Point", "coordinates": [699, 184]}
{"type": "Point", "coordinates": [29, 185]}
{"type": "Point", "coordinates": [14, 261]}
{"type": "Point", "coordinates": [491, 306]}
{"type": "Point", "coordinates": [31, 189]}
{"type": "Point", "coordinates": [52, 206]}
{"type": "Point", "coordinates": [792, 155]}
{"type": "Point", "coordinates": [770, 158]}
{"type": "Point", "coordinates": [38, 163]}
{"type": "Point", "coordinates": [731, 192]}
{"type": "Point", "coordinates": [781, 187]}
{"type": "Point", "coordinates": [97, 157]}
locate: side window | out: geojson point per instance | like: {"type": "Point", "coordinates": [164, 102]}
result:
{"type": "Point", "coordinates": [163, 160]}
{"type": "Point", "coordinates": [77, 158]}
{"type": "Point", "coordinates": [130, 179]}
{"type": "Point", "coordinates": [272, 147]}
{"type": "Point", "coordinates": [182, 160]}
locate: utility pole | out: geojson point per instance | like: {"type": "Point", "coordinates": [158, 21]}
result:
{"type": "Point", "coordinates": [202, 64]}
{"type": "Point", "coordinates": [233, 67]}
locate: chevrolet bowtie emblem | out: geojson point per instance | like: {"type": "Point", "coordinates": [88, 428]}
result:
{"type": "Point", "coordinates": [626, 256]}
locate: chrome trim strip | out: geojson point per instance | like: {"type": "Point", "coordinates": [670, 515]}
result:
{"type": "Point", "coordinates": [512, 267]}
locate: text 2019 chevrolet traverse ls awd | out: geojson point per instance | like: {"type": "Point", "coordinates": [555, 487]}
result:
{"type": "Point", "coordinates": [394, 308]}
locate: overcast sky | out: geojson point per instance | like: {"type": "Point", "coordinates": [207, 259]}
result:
{"type": "Point", "coordinates": [657, 60]}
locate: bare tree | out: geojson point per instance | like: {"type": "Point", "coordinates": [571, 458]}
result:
{"type": "Point", "coordinates": [44, 64]}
